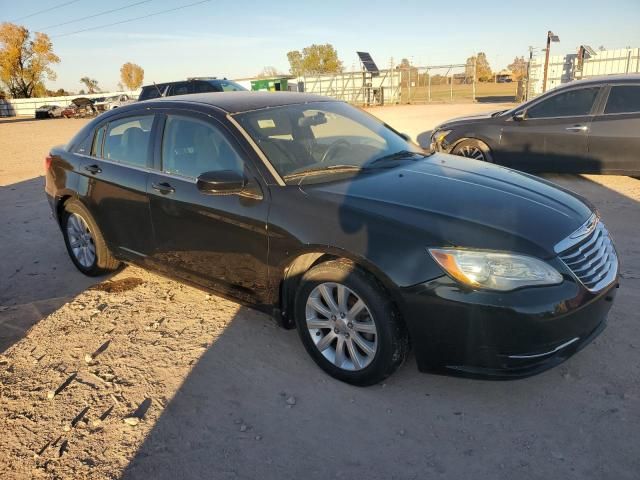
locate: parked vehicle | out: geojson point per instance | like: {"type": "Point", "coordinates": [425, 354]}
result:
{"type": "Point", "coordinates": [586, 126]}
{"type": "Point", "coordinates": [118, 101]}
{"type": "Point", "coordinates": [100, 103]}
{"type": "Point", "coordinates": [49, 111]}
{"type": "Point", "coordinates": [191, 85]}
{"type": "Point", "coordinates": [315, 211]}
{"type": "Point", "coordinates": [80, 107]}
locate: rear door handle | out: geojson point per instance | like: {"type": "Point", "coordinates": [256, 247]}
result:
{"type": "Point", "coordinates": [577, 128]}
{"type": "Point", "coordinates": [93, 169]}
{"type": "Point", "coordinates": [163, 188]}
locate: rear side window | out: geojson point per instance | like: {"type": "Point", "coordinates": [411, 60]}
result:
{"type": "Point", "coordinates": [84, 146]}
{"type": "Point", "coordinates": [203, 87]}
{"type": "Point", "coordinates": [127, 140]}
{"type": "Point", "coordinates": [182, 88]}
{"type": "Point", "coordinates": [96, 148]}
{"type": "Point", "coordinates": [191, 147]}
{"type": "Point", "coordinates": [623, 99]}
{"type": "Point", "coordinates": [228, 86]}
{"type": "Point", "coordinates": [568, 104]}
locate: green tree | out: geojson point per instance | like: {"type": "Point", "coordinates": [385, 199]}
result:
{"type": "Point", "coordinates": [91, 84]}
{"type": "Point", "coordinates": [314, 60]}
{"type": "Point", "coordinates": [25, 60]}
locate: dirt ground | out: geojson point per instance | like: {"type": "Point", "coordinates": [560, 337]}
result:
{"type": "Point", "coordinates": [136, 376]}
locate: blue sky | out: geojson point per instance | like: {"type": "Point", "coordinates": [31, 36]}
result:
{"type": "Point", "coordinates": [238, 38]}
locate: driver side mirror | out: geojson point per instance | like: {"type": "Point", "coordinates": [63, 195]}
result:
{"type": "Point", "coordinates": [520, 115]}
{"type": "Point", "coordinates": [221, 182]}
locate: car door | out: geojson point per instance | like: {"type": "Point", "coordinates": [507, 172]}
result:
{"type": "Point", "coordinates": [552, 134]}
{"type": "Point", "coordinates": [614, 141]}
{"type": "Point", "coordinates": [115, 182]}
{"type": "Point", "coordinates": [216, 240]}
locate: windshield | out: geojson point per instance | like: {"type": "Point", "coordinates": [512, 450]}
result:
{"type": "Point", "coordinates": [324, 138]}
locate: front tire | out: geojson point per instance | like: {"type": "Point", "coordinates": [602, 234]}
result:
{"type": "Point", "coordinates": [84, 241]}
{"type": "Point", "coordinates": [348, 324]}
{"type": "Point", "coordinates": [475, 149]}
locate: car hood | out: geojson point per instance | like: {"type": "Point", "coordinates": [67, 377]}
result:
{"type": "Point", "coordinates": [454, 201]}
{"type": "Point", "coordinates": [454, 122]}
{"type": "Point", "coordinates": [81, 102]}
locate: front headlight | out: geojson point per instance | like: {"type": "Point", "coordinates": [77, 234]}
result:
{"type": "Point", "coordinates": [495, 270]}
{"type": "Point", "coordinates": [439, 135]}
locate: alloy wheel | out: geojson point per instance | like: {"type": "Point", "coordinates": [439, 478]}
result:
{"type": "Point", "coordinates": [81, 241]}
{"type": "Point", "coordinates": [341, 326]}
{"type": "Point", "coordinates": [471, 151]}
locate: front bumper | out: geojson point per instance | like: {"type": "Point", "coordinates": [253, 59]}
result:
{"type": "Point", "coordinates": [502, 334]}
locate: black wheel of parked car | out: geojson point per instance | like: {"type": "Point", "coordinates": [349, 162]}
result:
{"type": "Point", "coordinates": [475, 149]}
{"type": "Point", "coordinates": [84, 241]}
{"type": "Point", "coordinates": [348, 324]}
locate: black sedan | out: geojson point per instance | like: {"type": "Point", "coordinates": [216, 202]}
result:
{"type": "Point", "coordinates": [586, 126]}
{"type": "Point", "coordinates": [320, 214]}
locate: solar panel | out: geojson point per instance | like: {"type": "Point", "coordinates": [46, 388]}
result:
{"type": "Point", "coordinates": [368, 63]}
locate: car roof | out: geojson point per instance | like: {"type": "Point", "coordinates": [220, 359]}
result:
{"type": "Point", "coordinates": [603, 79]}
{"type": "Point", "coordinates": [237, 102]}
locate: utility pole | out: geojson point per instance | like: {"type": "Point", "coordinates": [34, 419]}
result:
{"type": "Point", "coordinates": [526, 93]}
{"type": "Point", "coordinates": [550, 38]}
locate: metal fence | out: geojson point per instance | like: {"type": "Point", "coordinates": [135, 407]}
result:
{"type": "Point", "coordinates": [27, 106]}
{"type": "Point", "coordinates": [406, 85]}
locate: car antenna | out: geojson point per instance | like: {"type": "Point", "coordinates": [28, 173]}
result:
{"type": "Point", "coordinates": [154, 84]}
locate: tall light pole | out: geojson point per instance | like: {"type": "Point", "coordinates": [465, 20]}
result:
{"type": "Point", "coordinates": [550, 38]}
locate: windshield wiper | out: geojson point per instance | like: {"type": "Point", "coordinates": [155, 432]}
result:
{"type": "Point", "coordinates": [320, 170]}
{"type": "Point", "coordinates": [402, 154]}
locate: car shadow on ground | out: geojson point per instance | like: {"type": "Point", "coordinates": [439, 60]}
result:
{"type": "Point", "coordinates": [36, 274]}
{"type": "Point", "coordinates": [255, 405]}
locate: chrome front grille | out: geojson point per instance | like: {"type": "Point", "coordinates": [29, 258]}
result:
{"type": "Point", "coordinates": [590, 255]}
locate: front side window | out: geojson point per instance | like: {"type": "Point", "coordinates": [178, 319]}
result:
{"type": "Point", "coordinates": [623, 99]}
{"type": "Point", "coordinates": [568, 104]}
{"type": "Point", "coordinates": [191, 147]}
{"type": "Point", "coordinates": [324, 137]}
{"type": "Point", "coordinates": [128, 140]}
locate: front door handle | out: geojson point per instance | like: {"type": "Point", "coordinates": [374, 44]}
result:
{"type": "Point", "coordinates": [163, 188]}
{"type": "Point", "coordinates": [93, 169]}
{"type": "Point", "coordinates": [577, 128]}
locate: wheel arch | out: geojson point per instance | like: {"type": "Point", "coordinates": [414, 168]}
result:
{"type": "Point", "coordinates": [296, 265]}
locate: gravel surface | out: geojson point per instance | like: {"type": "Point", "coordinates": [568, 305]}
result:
{"type": "Point", "coordinates": [138, 376]}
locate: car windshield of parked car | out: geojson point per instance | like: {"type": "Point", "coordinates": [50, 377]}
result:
{"type": "Point", "coordinates": [324, 138]}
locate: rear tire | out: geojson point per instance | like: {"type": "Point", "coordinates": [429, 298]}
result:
{"type": "Point", "coordinates": [475, 149]}
{"type": "Point", "coordinates": [84, 241]}
{"type": "Point", "coordinates": [348, 324]}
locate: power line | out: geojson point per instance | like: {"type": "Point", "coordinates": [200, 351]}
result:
{"type": "Point", "coordinates": [92, 16]}
{"type": "Point", "coordinates": [46, 10]}
{"type": "Point", "coordinates": [131, 19]}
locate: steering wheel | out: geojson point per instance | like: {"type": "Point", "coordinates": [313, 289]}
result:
{"type": "Point", "coordinates": [333, 148]}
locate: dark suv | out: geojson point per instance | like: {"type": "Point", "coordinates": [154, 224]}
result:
{"type": "Point", "coordinates": [191, 85]}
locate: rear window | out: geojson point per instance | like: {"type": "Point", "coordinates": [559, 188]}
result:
{"type": "Point", "coordinates": [127, 140]}
{"type": "Point", "coordinates": [623, 99]}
